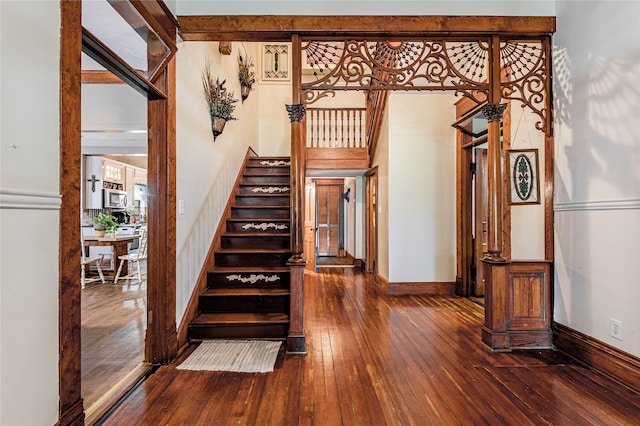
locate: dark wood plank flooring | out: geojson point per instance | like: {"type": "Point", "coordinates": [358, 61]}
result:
{"type": "Point", "coordinates": [114, 320]}
{"type": "Point", "coordinates": [378, 360]}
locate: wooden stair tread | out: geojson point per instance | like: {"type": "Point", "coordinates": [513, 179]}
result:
{"type": "Point", "coordinates": [245, 291]}
{"type": "Point", "coordinates": [250, 269]}
{"type": "Point", "coordinates": [240, 318]}
{"type": "Point", "coordinates": [255, 234]}
{"type": "Point", "coordinates": [252, 251]}
{"type": "Point", "coordinates": [260, 207]}
{"type": "Point", "coordinates": [249, 219]}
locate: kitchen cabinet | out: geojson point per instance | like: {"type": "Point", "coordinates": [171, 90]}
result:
{"type": "Point", "coordinates": [113, 172]}
{"type": "Point", "coordinates": [140, 176]}
{"type": "Point", "coordinates": [129, 172]}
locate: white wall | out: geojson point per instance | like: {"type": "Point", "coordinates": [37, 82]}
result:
{"type": "Point", "coordinates": [422, 191]}
{"type": "Point", "coordinates": [527, 221]}
{"type": "Point", "coordinates": [597, 180]}
{"type": "Point", "coordinates": [206, 170]}
{"type": "Point", "coordinates": [381, 160]}
{"type": "Point", "coordinates": [29, 211]}
{"type": "Point", "coordinates": [358, 7]}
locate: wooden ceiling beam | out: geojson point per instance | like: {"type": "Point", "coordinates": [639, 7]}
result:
{"type": "Point", "coordinates": [280, 27]}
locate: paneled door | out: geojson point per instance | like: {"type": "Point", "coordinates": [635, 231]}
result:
{"type": "Point", "coordinates": [310, 226]}
{"type": "Point", "coordinates": [328, 216]}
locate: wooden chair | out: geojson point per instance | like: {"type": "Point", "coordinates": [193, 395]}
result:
{"type": "Point", "coordinates": [84, 261]}
{"type": "Point", "coordinates": [134, 257]}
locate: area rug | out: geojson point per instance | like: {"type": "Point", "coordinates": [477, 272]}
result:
{"type": "Point", "coordinates": [242, 356]}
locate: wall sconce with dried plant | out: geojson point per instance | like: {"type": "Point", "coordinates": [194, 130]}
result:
{"type": "Point", "coordinates": [219, 101]}
{"type": "Point", "coordinates": [246, 75]}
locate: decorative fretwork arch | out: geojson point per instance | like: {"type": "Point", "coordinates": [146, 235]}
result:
{"type": "Point", "coordinates": [454, 64]}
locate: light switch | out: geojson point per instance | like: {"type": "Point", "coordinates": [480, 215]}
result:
{"type": "Point", "coordinates": [181, 207]}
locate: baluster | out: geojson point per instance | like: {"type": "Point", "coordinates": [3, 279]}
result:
{"type": "Point", "coordinates": [342, 128]}
{"type": "Point", "coordinates": [324, 126]}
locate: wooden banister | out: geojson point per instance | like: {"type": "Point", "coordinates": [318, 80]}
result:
{"type": "Point", "coordinates": [336, 128]}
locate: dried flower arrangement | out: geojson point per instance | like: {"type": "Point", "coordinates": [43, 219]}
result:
{"type": "Point", "coordinates": [219, 101]}
{"type": "Point", "coordinates": [246, 75]}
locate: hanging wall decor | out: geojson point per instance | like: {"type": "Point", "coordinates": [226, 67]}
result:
{"type": "Point", "coordinates": [524, 181]}
{"type": "Point", "coordinates": [275, 62]}
{"type": "Point", "coordinates": [246, 75]}
{"type": "Point", "coordinates": [220, 102]}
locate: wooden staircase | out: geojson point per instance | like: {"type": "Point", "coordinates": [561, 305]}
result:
{"type": "Point", "coordinates": [248, 291]}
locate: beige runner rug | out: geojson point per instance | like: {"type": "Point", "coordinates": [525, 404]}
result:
{"type": "Point", "coordinates": [243, 356]}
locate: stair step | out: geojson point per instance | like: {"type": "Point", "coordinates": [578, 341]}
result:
{"type": "Point", "coordinates": [249, 300]}
{"type": "Point", "coordinates": [260, 212]}
{"type": "Point", "coordinates": [228, 292]}
{"type": "Point", "coordinates": [241, 318]}
{"type": "Point", "coordinates": [268, 188]}
{"type": "Point", "coordinates": [268, 171]}
{"type": "Point", "coordinates": [281, 162]}
{"type": "Point", "coordinates": [237, 225]}
{"type": "Point", "coordinates": [249, 277]}
{"type": "Point", "coordinates": [251, 257]}
{"type": "Point", "coordinates": [260, 200]}
{"type": "Point", "coordinates": [261, 179]}
{"type": "Point", "coordinates": [249, 240]}
{"type": "Point", "coordinates": [239, 325]}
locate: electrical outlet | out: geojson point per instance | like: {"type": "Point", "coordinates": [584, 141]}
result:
{"type": "Point", "coordinates": [616, 329]}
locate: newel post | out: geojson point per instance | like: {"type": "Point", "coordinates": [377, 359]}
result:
{"type": "Point", "coordinates": [296, 339]}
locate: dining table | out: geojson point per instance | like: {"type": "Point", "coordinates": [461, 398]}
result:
{"type": "Point", "coordinates": [120, 244]}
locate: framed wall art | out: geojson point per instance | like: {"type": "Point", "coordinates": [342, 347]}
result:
{"type": "Point", "coordinates": [276, 62]}
{"type": "Point", "coordinates": [523, 176]}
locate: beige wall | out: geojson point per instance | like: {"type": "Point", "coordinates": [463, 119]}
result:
{"type": "Point", "coordinates": [29, 212]}
{"type": "Point", "coordinates": [597, 181]}
{"type": "Point", "coordinates": [422, 191]}
{"type": "Point", "coordinates": [381, 159]}
{"type": "Point", "coordinates": [206, 170]}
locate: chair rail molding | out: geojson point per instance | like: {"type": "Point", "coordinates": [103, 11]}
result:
{"type": "Point", "coordinates": [630, 204]}
{"type": "Point", "coordinates": [29, 200]}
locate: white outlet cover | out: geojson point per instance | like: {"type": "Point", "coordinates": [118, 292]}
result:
{"type": "Point", "coordinates": [616, 329]}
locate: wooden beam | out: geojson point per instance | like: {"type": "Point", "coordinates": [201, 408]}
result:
{"type": "Point", "coordinates": [281, 28]}
{"type": "Point", "coordinates": [100, 77]}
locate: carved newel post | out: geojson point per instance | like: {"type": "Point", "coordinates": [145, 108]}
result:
{"type": "Point", "coordinates": [296, 339]}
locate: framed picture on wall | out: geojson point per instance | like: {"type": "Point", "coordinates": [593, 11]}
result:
{"type": "Point", "coordinates": [276, 62]}
{"type": "Point", "coordinates": [523, 176]}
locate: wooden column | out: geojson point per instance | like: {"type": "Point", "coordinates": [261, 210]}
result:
{"type": "Point", "coordinates": [296, 339]}
{"type": "Point", "coordinates": [493, 113]}
{"type": "Point", "coordinates": [71, 408]}
{"type": "Point", "coordinates": [494, 332]}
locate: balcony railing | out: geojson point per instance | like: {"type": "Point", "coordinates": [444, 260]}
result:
{"type": "Point", "coordinates": [336, 128]}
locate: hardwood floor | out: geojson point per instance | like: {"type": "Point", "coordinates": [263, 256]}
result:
{"type": "Point", "coordinates": [378, 360]}
{"type": "Point", "coordinates": [113, 329]}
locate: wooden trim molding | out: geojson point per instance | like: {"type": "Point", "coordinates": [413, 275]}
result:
{"type": "Point", "coordinates": [100, 77]}
{"type": "Point", "coordinates": [281, 27]}
{"type": "Point", "coordinates": [437, 288]}
{"type": "Point", "coordinates": [70, 404]}
{"type": "Point", "coordinates": [606, 359]}
{"type": "Point", "coordinates": [29, 200]}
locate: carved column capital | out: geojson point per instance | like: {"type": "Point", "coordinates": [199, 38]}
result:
{"type": "Point", "coordinates": [296, 112]}
{"type": "Point", "coordinates": [493, 112]}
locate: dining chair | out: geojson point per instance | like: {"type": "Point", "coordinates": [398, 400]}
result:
{"type": "Point", "coordinates": [85, 260]}
{"type": "Point", "coordinates": [134, 257]}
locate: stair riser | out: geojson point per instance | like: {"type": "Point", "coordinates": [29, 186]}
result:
{"type": "Point", "coordinates": [239, 331]}
{"type": "Point", "coordinates": [248, 280]}
{"type": "Point", "coordinates": [264, 189]}
{"type": "Point", "coordinates": [254, 226]}
{"type": "Point", "coordinates": [266, 180]}
{"type": "Point", "coordinates": [270, 171]}
{"type": "Point", "coordinates": [257, 200]}
{"type": "Point", "coordinates": [255, 242]}
{"type": "Point", "coordinates": [253, 259]}
{"type": "Point", "coordinates": [258, 213]}
{"type": "Point", "coordinates": [248, 304]}
{"type": "Point", "coordinates": [270, 161]}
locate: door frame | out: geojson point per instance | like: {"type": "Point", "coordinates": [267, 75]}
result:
{"type": "Point", "coordinates": [161, 336]}
{"type": "Point", "coordinates": [371, 228]}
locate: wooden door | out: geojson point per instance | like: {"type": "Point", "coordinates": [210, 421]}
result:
{"type": "Point", "coordinates": [371, 235]}
{"type": "Point", "coordinates": [481, 213]}
{"type": "Point", "coordinates": [310, 226]}
{"type": "Point", "coordinates": [328, 218]}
